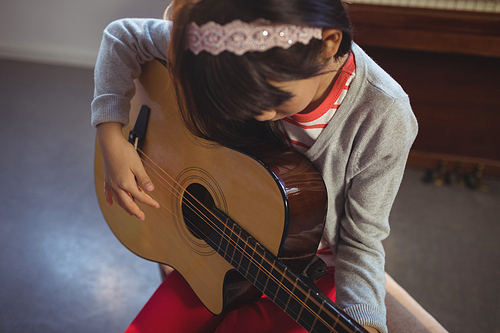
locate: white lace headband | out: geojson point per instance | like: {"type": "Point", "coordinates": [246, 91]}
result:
{"type": "Point", "coordinates": [240, 37]}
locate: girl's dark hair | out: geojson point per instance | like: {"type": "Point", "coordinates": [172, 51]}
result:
{"type": "Point", "coordinates": [220, 95]}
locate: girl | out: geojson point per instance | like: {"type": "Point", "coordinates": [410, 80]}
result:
{"type": "Point", "coordinates": [273, 70]}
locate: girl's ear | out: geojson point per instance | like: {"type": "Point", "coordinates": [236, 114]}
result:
{"type": "Point", "coordinates": [331, 41]}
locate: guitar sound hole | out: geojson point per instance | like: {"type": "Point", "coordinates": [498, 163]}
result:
{"type": "Point", "coordinates": [197, 204]}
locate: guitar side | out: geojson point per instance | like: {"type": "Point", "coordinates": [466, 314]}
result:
{"type": "Point", "coordinates": [280, 212]}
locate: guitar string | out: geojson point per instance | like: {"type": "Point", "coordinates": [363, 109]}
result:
{"type": "Point", "coordinates": [251, 259]}
{"type": "Point", "coordinates": [304, 305]}
{"type": "Point", "coordinates": [236, 244]}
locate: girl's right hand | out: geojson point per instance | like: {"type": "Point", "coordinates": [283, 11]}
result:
{"type": "Point", "coordinates": [124, 174]}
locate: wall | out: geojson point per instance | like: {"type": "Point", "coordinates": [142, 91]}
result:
{"type": "Point", "coordinates": [64, 32]}
{"type": "Point", "coordinates": [467, 5]}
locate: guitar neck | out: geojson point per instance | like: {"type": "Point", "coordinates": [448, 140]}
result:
{"type": "Point", "coordinates": [311, 309]}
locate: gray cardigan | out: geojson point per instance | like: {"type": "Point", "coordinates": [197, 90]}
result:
{"type": "Point", "coordinates": [361, 155]}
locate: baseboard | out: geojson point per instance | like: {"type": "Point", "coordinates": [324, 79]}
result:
{"type": "Point", "coordinates": [427, 160]}
{"type": "Point", "coordinates": [48, 54]}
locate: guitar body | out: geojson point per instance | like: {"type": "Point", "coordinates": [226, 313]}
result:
{"type": "Point", "coordinates": [278, 197]}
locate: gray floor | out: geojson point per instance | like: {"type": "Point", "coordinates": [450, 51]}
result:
{"type": "Point", "coordinates": [63, 271]}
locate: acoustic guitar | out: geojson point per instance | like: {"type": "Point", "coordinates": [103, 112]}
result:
{"type": "Point", "coordinates": [234, 225]}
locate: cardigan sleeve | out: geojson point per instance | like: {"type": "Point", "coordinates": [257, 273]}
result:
{"type": "Point", "coordinates": [126, 44]}
{"type": "Point", "coordinates": [373, 177]}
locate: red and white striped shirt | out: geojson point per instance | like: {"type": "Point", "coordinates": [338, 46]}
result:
{"type": "Point", "coordinates": [304, 129]}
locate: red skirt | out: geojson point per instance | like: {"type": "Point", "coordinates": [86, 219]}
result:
{"type": "Point", "coordinates": [174, 307]}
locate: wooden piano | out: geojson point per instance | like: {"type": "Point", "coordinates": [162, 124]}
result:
{"type": "Point", "coordinates": [446, 55]}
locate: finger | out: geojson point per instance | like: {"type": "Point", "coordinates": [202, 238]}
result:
{"type": "Point", "coordinates": [139, 195]}
{"type": "Point", "coordinates": [108, 194]}
{"type": "Point", "coordinates": [144, 184]}
{"type": "Point", "coordinates": [126, 201]}
{"type": "Point", "coordinates": [143, 179]}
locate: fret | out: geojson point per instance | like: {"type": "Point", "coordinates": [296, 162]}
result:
{"type": "Point", "coordinates": [280, 293]}
{"type": "Point", "coordinates": [260, 276]}
{"type": "Point", "coordinates": [253, 269]}
{"type": "Point", "coordinates": [272, 285]}
{"type": "Point", "coordinates": [267, 262]}
{"type": "Point", "coordinates": [217, 238]}
{"type": "Point", "coordinates": [245, 262]}
{"type": "Point", "coordinates": [239, 250]}
{"type": "Point", "coordinates": [289, 299]}
{"type": "Point", "coordinates": [225, 244]}
{"type": "Point", "coordinates": [307, 317]}
{"type": "Point", "coordinates": [232, 246]}
{"type": "Point", "coordinates": [328, 320]}
{"type": "Point", "coordinates": [283, 295]}
{"type": "Point", "coordinates": [315, 322]}
{"type": "Point", "coordinates": [294, 305]}
{"type": "Point", "coordinates": [235, 238]}
{"type": "Point", "coordinates": [324, 322]}
{"type": "Point", "coordinates": [265, 267]}
{"type": "Point", "coordinates": [320, 325]}
{"type": "Point", "coordinates": [312, 310]}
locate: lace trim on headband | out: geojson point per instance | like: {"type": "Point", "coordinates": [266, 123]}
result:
{"type": "Point", "coordinates": [240, 37]}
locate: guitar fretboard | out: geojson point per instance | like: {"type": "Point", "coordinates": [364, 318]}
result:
{"type": "Point", "coordinates": [312, 310]}
{"type": "Point", "coordinates": [488, 6]}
